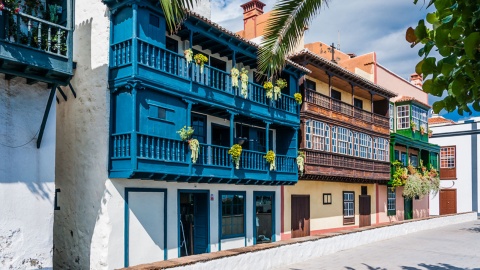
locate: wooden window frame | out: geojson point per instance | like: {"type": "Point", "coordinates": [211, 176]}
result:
{"type": "Point", "coordinates": [448, 173]}
{"type": "Point", "coordinates": [348, 220]}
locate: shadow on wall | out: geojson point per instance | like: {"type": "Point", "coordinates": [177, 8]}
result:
{"type": "Point", "coordinates": [81, 153]}
{"type": "Point", "coordinates": [440, 266]}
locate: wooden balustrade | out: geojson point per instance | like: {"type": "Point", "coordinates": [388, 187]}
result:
{"type": "Point", "coordinates": [344, 108]}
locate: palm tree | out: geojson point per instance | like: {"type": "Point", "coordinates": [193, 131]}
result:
{"type": "Point", "coordinates": [285, 27]}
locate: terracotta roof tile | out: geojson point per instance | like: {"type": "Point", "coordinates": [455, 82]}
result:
{"type": "Point", "coordinates": [235, 35]}
{"type": "Point", "coordinates": [407, 98]}
{"type": "Point", "coordinates": [376, 87]}
{"type": "Point", "coordinates": [439, 120]}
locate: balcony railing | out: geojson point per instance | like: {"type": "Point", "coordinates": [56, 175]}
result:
{"type": "Point", "coordinates": [36, 33]}
{"type": "Point", "coordinates": [160, 149]}
{"type": "Point", "coordinates": [172, 63]}
{"type": "Point", "coordinates": [340, 161]}
{"type": "Point", "coordinates": [344, 108]}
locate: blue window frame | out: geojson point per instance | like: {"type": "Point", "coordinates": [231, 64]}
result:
{"type": "Point", "coordinates": [264, 203]}
{"type": "Point", "coordinates": [404, 159]}
{"type": "Point", "coordinates": [232, 216]}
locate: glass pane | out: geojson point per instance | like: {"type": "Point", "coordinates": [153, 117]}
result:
{"type": "Point", "coordinates": [263, 219]}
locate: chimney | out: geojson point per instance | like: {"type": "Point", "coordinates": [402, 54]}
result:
{"type": "Point", "coordinates": [251, 10]}
{"type": "Point", "coordinates": [416, 79]}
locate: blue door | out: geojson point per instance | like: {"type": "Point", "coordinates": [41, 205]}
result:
{"type": "Point", "coordinates": [200, 227]}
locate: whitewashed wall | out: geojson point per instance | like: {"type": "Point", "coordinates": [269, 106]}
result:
{"type": "Point", "coordinates": [27, 176]}
{"type": "Point", "coordinates": [114, 209]}
{"type": "Point", "coordinates": [463, 184]}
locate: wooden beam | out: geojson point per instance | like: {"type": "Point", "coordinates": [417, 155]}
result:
{"type": "Point", "coordinates": [45, 116]}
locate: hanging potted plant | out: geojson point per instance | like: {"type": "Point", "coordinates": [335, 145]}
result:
{"type": "Point", "coordinates": [270, 157]}
{"type": "Point", "coordinates": [188, 53]}
{"type": "Point", "coordinates": [277, 90]}
{"type": "Point", "coordinates": [244, 80]}
{"type": "Point", "coordinates": [430, 133]}
{"type": "Point", "coordinates": [200, 60]}
{"type": "Point", "coordinates": [400, 174]}
{"type": "Point", "coordinates": [413, 126]}
{"type": "Point", "coordinates": [422, 130]}
{"type": "Point", "coordinates": [268, 86]}
{"type": "Point", "coordinates": [185, 135]}
{"type": "Point", "coordinates": [301, 162]}
{"type": "Point", "coordinates": [298, 98]}
{"type": "Point", "coordinates": [235, 73]}
{"type": "Point", "coordinates": [235, 151]}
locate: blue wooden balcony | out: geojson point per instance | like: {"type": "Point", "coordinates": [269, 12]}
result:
{"type": "Point", "coordinates": [168, 71]}
{"type": "Point", "coordinates": [35, 49]}
{"type": "Point", "coordinates": [160, 158]}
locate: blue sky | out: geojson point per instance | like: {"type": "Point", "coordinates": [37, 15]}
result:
{"type": "Point", "coordinates": [358, 26]}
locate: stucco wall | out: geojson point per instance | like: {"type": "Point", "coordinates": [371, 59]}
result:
{"type": "Point", "coordinates": [81, 228]}
{"type": "Point", "coordinates": [27, 176]}
{"type": "Point", "coordinates": [464, 166]}
{"type": "Point", "coordinates": [329, 216]}
{"type": "Point", "coordinates": [399, 85]}
{"type": "Point", "coordinates": [115, 205]}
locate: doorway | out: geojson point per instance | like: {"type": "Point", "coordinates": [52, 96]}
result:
{"type": "Point", "coordinates": [264, 217]}
{"type": "Point", "coordinates": [408, 208]}
{"type": "Point", "coordinates": [300, 215]}
{"type": "Point", "coordinates": [220, 135]}
{"type": "Point", "coordinates": [193, 225]}
{"type": "Point", "coordinates": [448, 201]}
{"type": "Point", "coordinates": [364, 211]}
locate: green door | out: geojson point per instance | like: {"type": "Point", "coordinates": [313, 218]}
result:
{"type": "Point", "coordinates": [408, 208]}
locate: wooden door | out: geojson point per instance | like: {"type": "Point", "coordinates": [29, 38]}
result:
{"type": "Point", "coordinates": [300, 215]}
{"type": "Point", "coordinates": [408, 208]}
{"type": "Point", "coordinates": [448, 201]}
{"type": "Point", "coordinates": [365, 210]}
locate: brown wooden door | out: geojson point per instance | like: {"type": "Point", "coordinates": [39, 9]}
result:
{"type": "Point", "coordinates": [300, 215]}
{"type": "Point", "coordinates": [365, 219]}
{"type": "Point", "coordinates": [448, 201]}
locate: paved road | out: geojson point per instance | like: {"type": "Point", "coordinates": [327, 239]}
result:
{"type": "Point", "coordinates": [452, 247]}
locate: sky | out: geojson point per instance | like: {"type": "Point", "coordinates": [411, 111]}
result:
{"type": "Point", "coordinates": [358, 27]}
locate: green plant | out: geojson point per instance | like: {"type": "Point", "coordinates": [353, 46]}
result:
{"type": "Point", "coordinates": [234, 73]}
{"type": "Point", "coordinates": [185, 133]}
{"type": "Point", "coordinates": [430, 133]}
{"type": "Point", "coordinates": [53, 13]}
{"type": "Point", "coordinates": [298, 98]}
{"type": "Point", "coordinates": [301, 162]}
{"type": "Point", "coordinates": [194, 146]}
{"type": "Point", "coordinates": [281, 83]}
{"type": "Point", "coordinates": [235, 152]}
{"type": "Point", "coordinates": [413, 125]}
{"type": "Point", "coordinates": [422, 130]}
{"type": "Point", "coordinates": [188, 53]}
{"type": "Point", "coordinates": [244, 80]}
{"type": "Point", "coordinates": [200, 59]}
{"type": "Point", "coordinates": [270, 157]}
{"type": "Point", "coordinates": [268, 86]}
{"type": "Point", "coordinates": [400, 174]}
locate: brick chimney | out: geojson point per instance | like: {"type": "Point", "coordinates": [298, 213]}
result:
{"type": "Point", "coordinates": [416, 79]}
{"type": "Point", "coordinates": [251, 10]}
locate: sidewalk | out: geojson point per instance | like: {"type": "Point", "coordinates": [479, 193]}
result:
{"type": "Point", "coordinates": [297, 250]}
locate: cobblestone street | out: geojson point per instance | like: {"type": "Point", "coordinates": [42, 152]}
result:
{"type": "Point", "coordinates": [451, 247]}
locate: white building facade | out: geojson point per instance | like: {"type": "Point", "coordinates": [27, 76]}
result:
{"type": "Point", "coordinates": [459, 163]}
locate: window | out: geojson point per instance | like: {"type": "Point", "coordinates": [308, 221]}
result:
{"type": "Point", "coordinates": [317, 135]}
{"type": "Point", "coordinates": [327, 198]}
{"type": "Point", "coordinates": [199, 127]}
{"type": "Point", "coordinates": [355, 144]}
{"type": "Point", "coordinates": [396, 154]}
{"type": "Point", "coordinates": [157, 112]}
{"type": "Point", "coordinates": [343, 140]}
{"type": "Point", "coordinates": [414, 160]}
{"type": "Point", "coordinates": [232, 219]}
{"type": "Point", "coordinates": [448, 162]}
{"type": "Point", "coordinates": [364, 145]}
{"type": "Point", "coordinates": [336, 95]}
{"type": "Point", "coordinates": [419, 116]}
{"type": "Point", "coordinates": [403, 117]}
{"type": "Point", "coordinates": [390, 113]}
{"type": "Point", "coordinates": [171, 44]}
{"type": "Point", "coordinates": [382, 149]}
{"type": "Point", "coordinates": [310, 85]}
{"type": "Point", "coordinates": [391, 201]}
{"type": "Point", "coordinates": [334, 139]}
{"type": "Point", "coordinates": [404, 159]}
{"type": "Point", "coordinates": [154, 21]}
{"type": "Point", "coordinates": [348, 207]}
{"type": "Point", "coordinates": [358, 103]}
{"type": "Point", "coordinates": [162, 113]}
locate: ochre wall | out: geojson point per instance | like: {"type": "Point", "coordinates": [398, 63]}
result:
{"type": "Point", "coordinates": [325, 217]}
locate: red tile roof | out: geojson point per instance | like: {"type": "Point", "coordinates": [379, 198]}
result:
{"type": "Point", "coordinates": [407, 98]}
{"type": "Point", "coordinates": [439, 120]}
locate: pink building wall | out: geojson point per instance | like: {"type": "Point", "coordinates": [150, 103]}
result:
{"type": "Point", "coordinates": [420, 207]}
{"type": "Point", "coordinates": [399, 85]}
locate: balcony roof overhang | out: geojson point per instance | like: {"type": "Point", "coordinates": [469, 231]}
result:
{"type": "Point", "coordinates": [396, 138]}
{"type": "Point", "coordinates": [305, 57]}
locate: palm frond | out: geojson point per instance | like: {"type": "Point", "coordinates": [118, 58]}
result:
{"type": "Point", "coordinates": [285, 28]}
{"type": "Point", "coordinates": [174, 11]}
